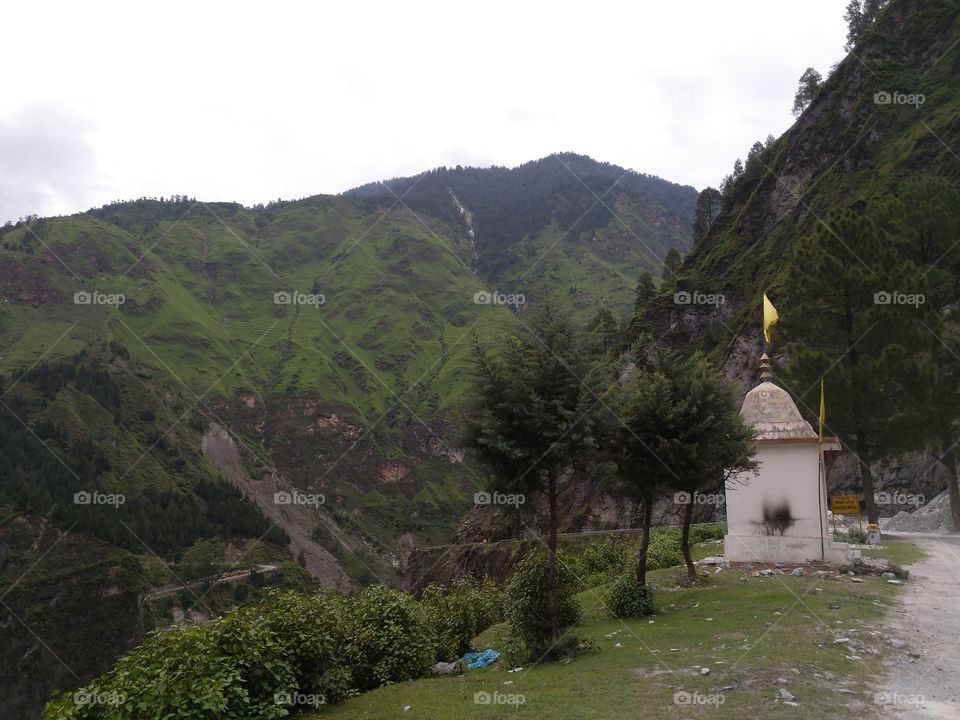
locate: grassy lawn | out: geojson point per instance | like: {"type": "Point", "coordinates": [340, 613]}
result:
{"type": "Point", "coordinates": [898, 552]}
{"type": "Point", "coordinates": [748, 633]}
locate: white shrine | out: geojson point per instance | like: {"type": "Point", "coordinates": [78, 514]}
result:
{"type": "Point", "coordinates": [780, 513]}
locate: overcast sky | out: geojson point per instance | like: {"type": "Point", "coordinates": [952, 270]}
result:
{"type": "Point", "coordinates": [251, 102]}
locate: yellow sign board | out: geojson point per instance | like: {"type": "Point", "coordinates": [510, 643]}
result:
{"type": "Point", "coordinates": [845, 505]}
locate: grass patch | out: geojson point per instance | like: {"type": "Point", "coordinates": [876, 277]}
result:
{"type": "Point", "coordinates": [896, 552]}
{"type": "Point", "coordinates": [748, 633]}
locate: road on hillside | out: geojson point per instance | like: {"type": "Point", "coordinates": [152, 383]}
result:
{"type": "Point", "coordinates": [228, 576]}
{"type": "Point", "coordinates": [924, 680]}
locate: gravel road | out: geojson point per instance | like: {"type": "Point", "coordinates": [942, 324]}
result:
{"type": "Point", "coordinates": [924, 680]}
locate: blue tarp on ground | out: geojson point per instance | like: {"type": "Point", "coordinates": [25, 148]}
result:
{"type": "Point", "coordinates": [477, 660]}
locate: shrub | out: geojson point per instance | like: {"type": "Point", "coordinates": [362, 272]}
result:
{"type": "Point", "coordinates": [665, 532]}
{"type": "Point", "coordinates": [628, 598]}
{"type": "Point", "coordinates": [664, 552]}
{"type": "Point", "coordinates": [459, 612]}
{"type": "Point", "coordinates": [247, 643]}
{"type": "Point", "coordinates": [855, 535]}
{"type": "Point", "coordinates": [251, 663]}
{"type": "Point", "coordinates": [314, 630]}
{"type": "Point", "coordinates": [605, 558]}
{"type": "Point", "coordinates": [392, 639]}
{"type": "Point", "coordinates": [238, 667]}
{"type": "Point", "coordinates": [526, 602]}
{"type": "Point", "coordinates": [513, 651]}
{"type": "Point", "coordinates": [707, 531]}
{"type": "Point", "coordinates": [203, 558]}
{"type": "Point", "coordinates": [173, 674]}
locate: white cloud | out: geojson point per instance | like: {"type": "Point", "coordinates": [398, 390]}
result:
{"type": "Point", "coordinates": [248, 102]}
{"type": "Point", "coordinates": [46, 163]}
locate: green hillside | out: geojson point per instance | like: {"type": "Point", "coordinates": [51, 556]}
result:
{"type": "Point", "coordinates": [851, 147]}
{"type": "Point", "coordinates": [379, 349]}
{"type": "Point", "coordinates": [564, 222]}
{"type": "Point", "coordinates": [195, 359]}
{"type": "Point", "coordinates": [348, 390]}
{"type": "Point", "coordinates": [191, 388]}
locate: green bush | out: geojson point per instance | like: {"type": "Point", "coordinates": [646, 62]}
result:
{"type": "Point", "coordinates": [247, 642]}
{"type": "Point", "coordinates": [513, 651]}
{"type": "Point", "coordinates": [392, 638]}
{"type": "Point", "coordinates": [855, 535]}
{"type": "Point", "coordinates": [664, 552]}
{"type": "Point", "coordinates": [203, 558]}
{"type": "Point", "coordinates": [314, 631]}
{"type": "Point", "coordinates": [459, 612]}
{"type": "Point", "coordinates": [627, 598]}
{"type": "Point", "coordinates": [526, 603]}
{"type": "Point", "coordinates": [707, 531]}
{"type": "Point", "coordinates": [293, 651]}
{"type": "Point", "coordinates": [249, 664]}
{"type": "Point", "coordinates": [604, 559]}
{"type": "Point", "coordinates": [665, 532]}
{"type": "Point", "coordinates": [174, 674]}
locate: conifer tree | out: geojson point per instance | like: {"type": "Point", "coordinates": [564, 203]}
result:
{"type": "Point", "coordinates": [850, 323]}
{"type": "Point", "coordinates": [671, 264]}
{"type": "Point", "coordinates": [682, 431]}
{"type": "Point", "coordinates": [810, 84]}
{"type": "Point", "coordinates": [536, 400]}
{"type": "Point", "coordinates": [924, 217]}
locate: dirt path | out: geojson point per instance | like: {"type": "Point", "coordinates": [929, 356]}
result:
{"type": "Point", "coordinates": [924, 681]}
{"type": "Point", "coordinates": [229, 576]}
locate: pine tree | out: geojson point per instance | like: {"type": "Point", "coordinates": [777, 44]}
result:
{"type": "Point", "coordinates": [860, 15]}
{"type": "Point", "coordinates": [855, 26]}
{"type": "Point", "coordinates": [681, 430]}
{"type": "Point", "coordinates": [534, 414]}
{"type": "Point", "coordinates": [871, 10]}
{"type": "Point", "coordinates": [671, 264]}
{"type": "Point", "coordinates": [645, 291]}
{"type": "Point", "coordinates": [639, 327]}
{"type": "Point", "coordinates": [925, 218]}
{"type": "Point", "coordinates": [708, 207]}
{"type": "Point", "coordinates": [642, 450]}
{"type": "Point", "coordinates": [605, 330]}
{"type": "Point", "coordinates": [810, 83]}
{"type": "Point", "coordinates": [846, 326]}
{"type": "Point", "coordinates": [714, 441]}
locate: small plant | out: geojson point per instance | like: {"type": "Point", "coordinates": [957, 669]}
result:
{"type": "Point", "coordinates": [513, 651]}
{"type": "Point", "coordinates": [605, 559]}
{"type": "Point", "coordinates": [664, 552]}
{"type": "Point", "coordinates": [527, 600]}
{"type": "Point", "coordinates": [627, 598]}
{"type": "Point", "coordinates": [855, 535]}
{"type": "Point", "coordinates": [459, 612]}
{"type": "Point", "coordinates": [707, 531]}
{"type": "Point", "coordinates": [392, 641]}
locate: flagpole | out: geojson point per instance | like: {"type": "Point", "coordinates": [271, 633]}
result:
{"type": "Point", "coordinates": [821, 489]}
{"type": "Point", "coordinates": [821, 471]}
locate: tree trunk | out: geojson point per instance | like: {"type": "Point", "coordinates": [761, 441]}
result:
{"type": "Point", "coordinates": [685, 539]}
{"type": "Point", "coordinates": [950, 463]}
{"type": "Point", "coordinates": [553, 609]}
{"type": "Point", "coordinates": [644, 540]}
{"type": "Point", "coordinates": [863, 456]}
{"type": "Point", "coordinates": [866, 481]}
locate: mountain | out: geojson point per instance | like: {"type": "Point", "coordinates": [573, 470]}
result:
{"type": "Point", "coordinates": [860, 137]}
{"type": "Point", "coordinates": [887, 113]}
{"type": "Point", "coordinates": [565, 221]}
{"type": "Point", "coordinates": [280, 380]}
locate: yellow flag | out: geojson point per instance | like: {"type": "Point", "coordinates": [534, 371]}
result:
{"type": "Point", "coordinates": [770, 317]}
{"type": "Point", "coordinates": [823, 414]}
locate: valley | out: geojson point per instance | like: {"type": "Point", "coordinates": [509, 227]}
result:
{"type": "Point", "coordinates": [315, 447]}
